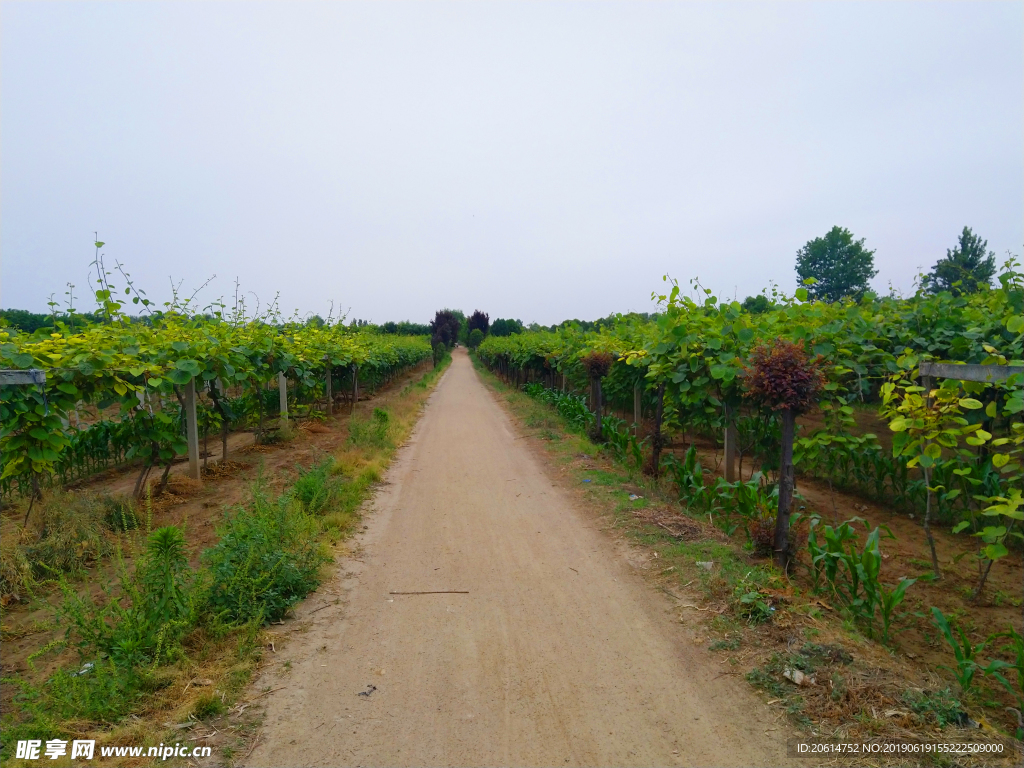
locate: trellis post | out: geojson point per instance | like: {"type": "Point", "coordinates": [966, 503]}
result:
{"type": "Point", "coordinates": [192, 429]}
{"type": "Point", "coordinates": [730, 446]}
{"type": "Point", "coordinates": [282, 388]}
{"type": "Point", "coordinates": [327, 387]}
{"type": "Point", "coordinates": [637, 392]}
{"type": "Point", "coordinates": [355, 385]}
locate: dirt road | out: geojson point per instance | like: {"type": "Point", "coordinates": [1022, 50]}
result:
{"type": "Point", "coordinates": [559, 654]}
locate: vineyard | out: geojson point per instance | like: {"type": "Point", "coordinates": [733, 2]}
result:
{"type": "Point", "coordinates": [691, 364]}
{"type": "Point", "coordinates": [740, 416]}
{"type": "Point", "coordinates": [118, 392]}
{"type": "Point", "coordinates": [918, 408]}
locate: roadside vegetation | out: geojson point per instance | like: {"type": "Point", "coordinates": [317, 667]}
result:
{"type": "Point", "coordinates": [837, 643]}
{"type": "Point", "coordinates": [151, 636]}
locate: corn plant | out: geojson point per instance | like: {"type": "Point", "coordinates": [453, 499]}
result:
{"type": "Point", "coordinates": [853, 576]}
{"type": "Point", "coordinates": [888, 601]}
{"type": "Point", "coordinates": [623, 443]}
{"type": "Point", "coordinates": [1015, 647]}
{"type": "Point", "coordinates": [965, 654]}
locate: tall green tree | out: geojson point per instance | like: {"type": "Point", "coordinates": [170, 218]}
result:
{"type": "Point", "coordinates": [841, 265]}
{"type": "Point", "coordinates": [506, 327]}
{"type": "Point", "coordinates": [965, 269]}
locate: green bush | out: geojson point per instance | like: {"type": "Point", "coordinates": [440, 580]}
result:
{"type": "Point", "coordinates": [267, 559]}
{"type": "Point", "coordinates": [476, 336]}
{"type": "Point", "coordinates": [156, 606]}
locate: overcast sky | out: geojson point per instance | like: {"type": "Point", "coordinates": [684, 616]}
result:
{"type": "Point", "coordinates": [534, 160]}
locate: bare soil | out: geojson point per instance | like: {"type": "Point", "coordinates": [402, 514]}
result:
{"type": "Point", "coordinates": [555, 651]}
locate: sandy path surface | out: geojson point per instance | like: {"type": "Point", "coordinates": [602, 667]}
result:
{"type": "Point", "coordinates": [560, 653]}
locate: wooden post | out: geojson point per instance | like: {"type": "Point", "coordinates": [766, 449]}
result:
{"type": "Point", "coordinates": [282, 388]}
{"type": "Point", "coordinates": [355, 385]}
{"type": "Point", "coordinates": [637, 392]}
{"type": "Point", "coordinates": [730, 447]}
{"type": "Point", "coordinates": [192, 429]}
{"type": "Point", "coordinates": [327, 387]}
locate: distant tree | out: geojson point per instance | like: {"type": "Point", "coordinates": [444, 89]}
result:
{"type": "Point", "coordinates": [841, 265]}
{"type": "Point", "coordinates": [463, 335]}
{"type": "Point", "coordinates": [507, 327]}
{"type": "Point", "coordinates": [756, 305]}
{"type": "Point", "coordinates": [29, 322]}
{"type": "Point", "coordinates": [475, 337]}
{"type": "Point", "coordinates": [965, 269]}
{"type": "Point", "coordinates": [444, 329]}
{"type": "Point", "coordinates": [314, 321]}
{"type": "Point", "coordinates": [478, 320]}
{"type": "Point", "coordinates": [405, 328]}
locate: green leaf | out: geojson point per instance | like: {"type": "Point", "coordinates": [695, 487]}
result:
{"type": "Point", "coordinates": [190, 366]}
{"type": "Point", "coordinates": [801, 294]}
{"type": "Point", "coordinates": [960, 526]}
{"type": "Point", "coordinates": [995, 551]}
{"type": "Point", "coordinates": [970, 403]}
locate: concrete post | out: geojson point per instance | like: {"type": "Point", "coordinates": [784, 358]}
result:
{"type": "Point", "coordinates": [192, 429]}
{"type": "Point", "coordinates": [282, 388]}
{"type": "Point", "coordinates": [730, 447]}
{"type": "Point", "coordinates": [329, 394]}
{"type": "Point", "coordinates": [637, 393]}
{"type": "Point", "coordinates": [355, 385]}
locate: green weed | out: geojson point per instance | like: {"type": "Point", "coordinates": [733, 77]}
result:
{"type": "Point", "coordinates": [267, 559]}
{"type": "Point", "coordinates": [374, 432]}
{"type": "Point", "coordinates": [208, 705]}
{"type": "Point", "coordinates": [315, 487]}
{"type": "Point", "coordinates": [941, 706]}
{"type": "Point", "coordinates": [146, 622]}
